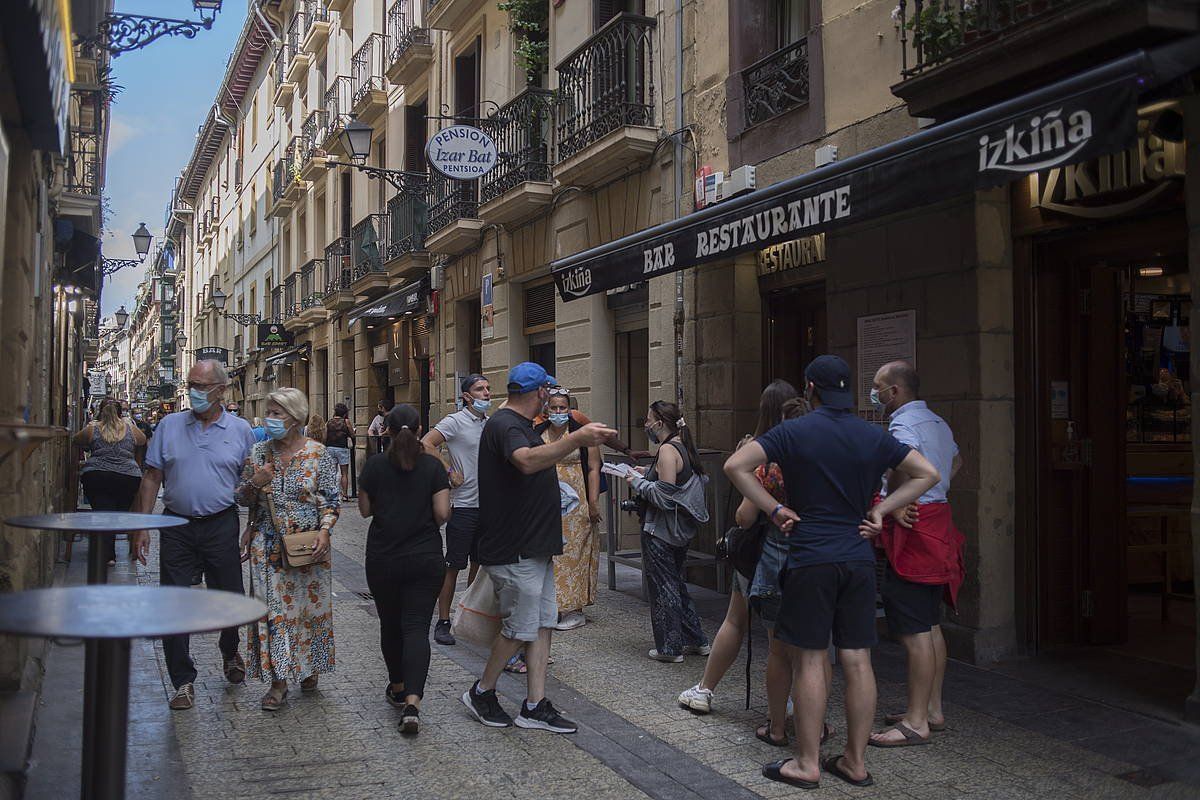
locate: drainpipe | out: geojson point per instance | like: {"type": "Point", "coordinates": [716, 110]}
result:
{"type": "Point", "coordinates": [265, 22]}
{"type": "Point", "coordinates": [678, 192]}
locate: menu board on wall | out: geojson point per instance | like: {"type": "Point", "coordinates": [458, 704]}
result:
{"type": "Point", "coordinates": [883, 338]}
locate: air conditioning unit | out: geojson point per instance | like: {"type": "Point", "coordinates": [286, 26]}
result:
{"type": "Point", "coordinates": [741, 180]}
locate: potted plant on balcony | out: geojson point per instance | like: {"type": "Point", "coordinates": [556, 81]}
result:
{"type": "Point", "coordinates": [529, 21]}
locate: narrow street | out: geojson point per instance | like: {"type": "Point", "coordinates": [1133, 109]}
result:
{"type": "Point", "coordinates": [1007, 739]}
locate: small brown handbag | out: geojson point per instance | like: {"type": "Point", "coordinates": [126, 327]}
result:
{"type": "Point", "coordinates": [297, 548]}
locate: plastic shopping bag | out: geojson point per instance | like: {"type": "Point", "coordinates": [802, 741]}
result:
{"type": "Point", "coordinates": [478, 617]}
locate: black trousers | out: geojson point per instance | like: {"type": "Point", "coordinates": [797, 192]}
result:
{"type": "Point", "coordinates": [405, 591]}
{"type": "Point", "coordinates": [211, 546]}
{"type": "Point", "coordinates": [109, 491]}
{"type": "Point", "coordinates": [672, 613]}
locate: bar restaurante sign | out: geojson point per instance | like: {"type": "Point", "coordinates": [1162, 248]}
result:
{"type": "Point", "coordinates": [273, 337]}
{"type": "Point", "coordinates": [462, 152]}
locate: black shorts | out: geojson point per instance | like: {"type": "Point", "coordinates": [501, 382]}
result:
{"type": "Point", "coordinates": [462, 534]}
{"type": "Point", "coordinates": [828, 599]}
{"type": "Point", "coordinates": [911, 608]}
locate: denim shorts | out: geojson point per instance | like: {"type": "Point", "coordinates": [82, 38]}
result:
{"type": "Point", "coordinates": [525, 591]}
{"type": "Point", "coordinates": [340, 454]}
{"type": "Point", "coordinates": [764, 591]}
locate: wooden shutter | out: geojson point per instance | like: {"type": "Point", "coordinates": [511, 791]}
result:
{"type": "Point", "coordinates": [603, 11]}
{"type": "Point", "coordinates": [414, 137]}
{"type": "Point", "coordinates": [539, 308]}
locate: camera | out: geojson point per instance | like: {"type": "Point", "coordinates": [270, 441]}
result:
{"type": "Point", "coordinates": [629, 506]}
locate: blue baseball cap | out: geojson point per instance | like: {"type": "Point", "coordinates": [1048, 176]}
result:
{"type": "Point", "coordinates": [528, 377]}
{"type": "Point", "coordinates": [831, 376]}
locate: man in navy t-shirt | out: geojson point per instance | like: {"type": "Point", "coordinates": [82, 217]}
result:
{"type": "Point", "coordinates": [832, 462]}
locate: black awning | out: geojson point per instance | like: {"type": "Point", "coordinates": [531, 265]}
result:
{"type": "Point", "coordinates": [289, 355]}
{"type": "Point", "coordinates": [407, 300]}
{"type": "Point", "coordinates": [1076, 119]}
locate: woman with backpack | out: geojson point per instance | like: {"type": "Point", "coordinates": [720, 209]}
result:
{"type": "Point", "coordinates": [671, 507]}
{"type": "Point", "coordinates": [339, 438]}
{"type": "Point", "coordinates": [576, 571]}
{"type": "Point", "coordinates": [779, 401]}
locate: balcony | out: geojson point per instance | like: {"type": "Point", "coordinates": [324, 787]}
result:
{"type": "Point", "coordinates": [606, 103]}
{"type": "Point", "coordinates": [284, 89]}
{"type": "Point", "coordinates": [449, 15]}
{"type": "Point", "coordinates": [317, 27]}
{"type": "Point", "coordinates": [276, 308]}
{"type": "Point", "coordinates": [339, 6]}
{"type": "Point", "coordinates": [287, 185]}
{"type": "Point", "coordinates": [339, 102]}
{"type": "Point", "coordinates": [339, 276]}
{"type": "Point", "coordinates": [290, 307]}
{"type": "Point", "coordinates": [454, 223]}
{"type": "Point", "coordinates": [411, 50]}
{"type": "Point", "coordinates": [312, 143]}
{"type": "Point", "coordinates": [312, 292]}
{"type": "Point", "coordinates": [521, 183]}
{"type": "Point", "coordinates": [297, 66]}
{"type": "Point", "coordinates": [83, 175]}
{"type": "Point", "coordinates": [963, 55]}
{"type": "Point", "coordinates": [776, 84]}
{"type": "Point", "coordinates": [368, 246]}
{"type": "Point", "coordinates": [408, 215]}
{"type": "Point", "coordinates": [370, 90]}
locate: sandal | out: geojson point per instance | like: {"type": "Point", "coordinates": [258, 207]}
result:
{"type": "Point", "coordinates": [309, 684]}
{"type": "Point", "coordinates": [273, 700]}
{"type": "Point", "coordinates": [892, 719]}
{"type": "Point", "coordinates": [774, 771]}
{"type": "Point", "coordinates": [833, 766]}
{"type": "Point", "coordinates": [763, 734]}
{"type": "Point", "coordinates": [516, 664]}
{"type": "Point", "coordinates": [911, 737]}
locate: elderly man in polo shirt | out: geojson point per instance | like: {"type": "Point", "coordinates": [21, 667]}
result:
{"type": "Point", "coordinates": [198, 456]}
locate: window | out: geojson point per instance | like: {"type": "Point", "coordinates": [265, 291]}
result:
{"type": "Point", "coordinates": [791, 21]}
{"type": "Point", "coordinates": [254, 206]}
{"type": "Point", "coordinates": [254, 122]}
{"type": "Point", "coordinates": [472, 319]}
{"type": "Point", "coordinates": [538, 322]}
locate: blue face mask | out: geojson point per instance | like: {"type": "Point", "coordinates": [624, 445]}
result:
{"type": "Point", "coordinates": [275, 427]}
{"type": "Point", "coordinates": [481, 405]}
{"type": "Point", "coordinates": [200, 401]}
{"type": "Point", "coordinates": [560, 418]}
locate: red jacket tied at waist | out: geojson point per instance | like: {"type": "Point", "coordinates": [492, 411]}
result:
{"type": "Point", "coordinates": [931, 552]}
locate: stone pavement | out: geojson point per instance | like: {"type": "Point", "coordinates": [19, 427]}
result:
{"type": "Point", "coordinates": [1007, 739]}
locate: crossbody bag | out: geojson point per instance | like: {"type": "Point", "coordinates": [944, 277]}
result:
{"type": "Point", "coordinates": [297, 548]}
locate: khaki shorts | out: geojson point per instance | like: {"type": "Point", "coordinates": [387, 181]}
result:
{"type": "Point", "coordinates": [525, 591]}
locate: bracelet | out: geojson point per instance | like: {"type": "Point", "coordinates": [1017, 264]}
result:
{"type": "Point", "coordinates": [776, 511]}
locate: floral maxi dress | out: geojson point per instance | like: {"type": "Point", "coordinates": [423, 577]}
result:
{"type": "Point", "coordinates": [577, 570]}
{"type": "Point", "coordinates": [296, 640]}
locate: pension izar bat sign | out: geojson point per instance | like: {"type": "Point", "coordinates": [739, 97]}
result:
{"type": "Point", "coordinates": [462, 152]}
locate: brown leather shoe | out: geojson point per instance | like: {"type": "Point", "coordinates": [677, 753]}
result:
{"type": "Point", "coordinates": [235, 669]}
{"type": "Point", "coordinates": [185, 698]}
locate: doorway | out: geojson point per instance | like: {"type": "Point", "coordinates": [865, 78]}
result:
{"type": "Point", "coordinates": [1108, 413]}
{"type": "Point", "coordinates": [795, 331]}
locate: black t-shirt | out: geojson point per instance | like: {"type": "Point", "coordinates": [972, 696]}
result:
{"type": "Point", "coordinates": [402, 522]}
{"type": "Point", "coordinates": [519, 515]}
{"type": "Point", "coordinates": [337, 433]}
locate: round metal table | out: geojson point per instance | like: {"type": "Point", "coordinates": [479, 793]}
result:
{"type": "Point", "coordinates": [111, 616]}
{"type": "Point", "coordinates": [94, 524]}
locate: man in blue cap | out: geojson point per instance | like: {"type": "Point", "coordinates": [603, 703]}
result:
{"type": "Point", "coordinates": [520, 532]}
{"type": "Point", "coordinates": [832, 461]}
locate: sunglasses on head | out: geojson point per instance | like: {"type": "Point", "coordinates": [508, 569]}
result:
{"type": "Point", "coordinates": [558, 391]}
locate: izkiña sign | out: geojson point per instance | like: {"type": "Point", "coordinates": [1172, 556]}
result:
{"type": "Point", "coordinates": [462, 152]}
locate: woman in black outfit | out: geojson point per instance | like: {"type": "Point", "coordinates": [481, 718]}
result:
{"type": "Point", "coordinates": [406, 492]}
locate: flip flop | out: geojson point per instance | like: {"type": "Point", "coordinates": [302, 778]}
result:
{"type": "Point", "coordinates": [763, 734]}
{"type": "Point", "coordinates": [831, 766]}
{"type": "Point", "coordinates": [774, 771]}
{"type": "Point", "coordinates": [892, 719]}
{"type": "Point", "coordinates": [911, 737]}
{"type": "Point", "coordinates": [517, 665]}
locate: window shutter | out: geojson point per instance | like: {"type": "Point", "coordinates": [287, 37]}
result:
{"type": "Point", "coordinates": [604, 11]}
{"type": "Point", "coordinates": [539, 308]}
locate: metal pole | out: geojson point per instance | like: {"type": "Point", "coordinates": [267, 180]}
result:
{"type": "Point", "coordinates": [424, 364]}
{"type": "Point", "coordinates": [112, 721]}
{"type": "Point", "coordinates": [97, 573]}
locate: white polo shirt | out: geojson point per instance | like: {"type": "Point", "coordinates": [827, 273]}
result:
{"type": "Point", "coordinates": [462, 430]}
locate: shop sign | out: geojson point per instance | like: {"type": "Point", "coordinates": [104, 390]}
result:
{"type": "Point", "coordinates": [273, 337]}
{"type": "Point", "coordinates": [462, 152]}
{"type": "Point", "coordinates": [98, 384]}
{"type": "Point", "coordinates": [1111, 185]}
{"type": "Point", "coordinates": [790, 255]}
{"type": "Point", "coordinates": [883, 338]}
{"type": "Point", "coordinates": [214, 353]}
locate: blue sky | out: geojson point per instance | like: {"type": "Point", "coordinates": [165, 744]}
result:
{"type": "Point", "coordinates": [169, 88]}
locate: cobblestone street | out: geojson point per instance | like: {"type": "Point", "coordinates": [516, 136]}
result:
{"type": "Point", "coordinates": [1007, 739]}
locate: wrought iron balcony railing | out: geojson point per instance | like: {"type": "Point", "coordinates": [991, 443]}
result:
{"type": "Point", "coordinates": [312, 134]}
{"type": "Point", "coordinates": [295, 33]}
{"type": "Point", "coordinates": [84, 158]}
{"type": "Point", "coordinates": [277, 304]}
{"type": "Point", "coordinates": [290, 305]}
{"type": "Point", "coordinates": [409, 216]}
{"type": "Point", "coordinates": [606, 83]}
{"type": "Point", "coordinates": [313, 11]}
{"type": "Point", "coordinates": [278, 174]}
{"type": "Point", "coordinates": [367, 67]}
{"type": "Point", "coordinates": [339, 105]}
{"type": "Point", "coordinates": [935, 31]}
{"type": "Point", "coordinates": [283, 59]}
{"type": "Point", "coordinates": [337, 266]}
{"type": "Point", "coordinates": [777, 83]}
{"type": "Point", "coordinates": [312, 283]}
{"type": "Point", "coordinates": [449, 201]}
{"type": "Point", "coordinates": [368, 245]}
{"type": "Point", "coordinates": [524, 132]}
{"type": "Point", "coordinates": [402, 30]}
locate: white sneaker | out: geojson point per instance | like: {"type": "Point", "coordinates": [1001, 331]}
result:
{"type": "Point", "coordinates": [693, 650]}
{"type": "Point", "coordinates": [657, 656]}
{"type": "Point", "coordinates": [697, 699]}
{"type": "Point", "coordinates": [571, 621]}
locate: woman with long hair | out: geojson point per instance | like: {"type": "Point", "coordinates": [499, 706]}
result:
{"type": "Point", "coordinates": [339, 438]}
{"type": "Point", "coordinates": [112, 474]}
{"type": "Point", "coordinates": [315, 429]}
{"type": "Point", "coordinates": [576, 571]}
{"type": "Point", "coordinates": [672, 508]}
{"type": "Point", "coordinates": [779, 401]}
{"type": "Point", "coordinates": [290, 484]}
{"type": "Point", "coordinates": [406, 493]}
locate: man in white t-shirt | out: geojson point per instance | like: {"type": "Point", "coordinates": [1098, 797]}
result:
{"type": "Point", "coordinates": [460, 433]}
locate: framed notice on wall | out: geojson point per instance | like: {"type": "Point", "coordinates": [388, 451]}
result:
{"type": "Point", "coordinates": [883, 338]}
{"type": "Point", "coordinates": [487, 309]}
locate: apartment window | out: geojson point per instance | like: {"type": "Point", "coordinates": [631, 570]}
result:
{"type": "Point", "coordinates": [791, 21]}
{"type": "Point", "coordinates": [414, 136]}
{"type": "Point", "coordinates": [539, 324]}
{"type": "Point", "coordinates": [254, 122]}
{"type": "Point", "coordinates": [254, 206]}
{"type": "Point", "coordinates": [470, 317]}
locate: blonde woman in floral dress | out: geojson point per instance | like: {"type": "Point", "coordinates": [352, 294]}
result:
{"type": "Point", "coordinates": [576, 571]}
{"type": "Point", "coordinates": [296, 641]}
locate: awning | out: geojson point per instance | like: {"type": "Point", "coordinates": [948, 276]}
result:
{"type": "Point", "coordinates": [289, 355]}
{"type": "Point", "coordinates": [407, 300]}
{"type": "Point", "coordinates": [1076, 119]}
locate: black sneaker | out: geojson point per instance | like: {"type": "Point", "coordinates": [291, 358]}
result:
{"type": "Point", "coordinates": [545, 717]}
{"type": "Point", "coordinates": [441, 632]}
{"type": "Point", "coordinates": [485, 707]}
{"type": "Point", "coordinates": [396, 700]}
{"type": "Point", "coordinates": [410, 720]}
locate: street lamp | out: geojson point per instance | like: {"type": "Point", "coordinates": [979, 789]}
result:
{"type": "Point", "coordinates": [356, 138]}
{"type": "Point", "coordinates": [122, 316]}
{"type": "Point", "coordinates": [141, 243]}
{"type": "Point", "coordinates": [141, 240]}
{"type": "Point", "coordinates": [218, 298]}
{"type": "Point", "coordinates": [114, 353]}
{"type": "Point", "coordinates": [181, 339]}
